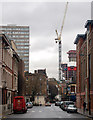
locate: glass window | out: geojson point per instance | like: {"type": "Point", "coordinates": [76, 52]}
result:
{"type": "Point", "coordinates": [26, 62]}
{"type": "Point", "coordinates": [22, 43]}
{"type": "Point", "coordinates": [90, 42]}
{"type": "Point", "coordinates": [27, 78]}
{"type": "Point", "coordinates": [22, 47]}
{"type": "Point", "coordinates": [26, 54]}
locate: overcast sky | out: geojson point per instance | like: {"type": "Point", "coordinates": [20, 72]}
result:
{"type": "Point", "coordinates": [43, 18]}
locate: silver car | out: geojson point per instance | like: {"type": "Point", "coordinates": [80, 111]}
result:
{"type": "Point", "coordinates": [71, 108]}
{"type": "Point", "coordinates": [29, 104]}
{"type": "Point", "coordinates": [66, 103]}
{"type": "Point", "coordinates": [58, 103]}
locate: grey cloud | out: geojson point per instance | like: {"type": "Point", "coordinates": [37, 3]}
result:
{"type": "Point", "coordinates": [42, 43]}
{"type": "Point", "coordinates": [43, 19]}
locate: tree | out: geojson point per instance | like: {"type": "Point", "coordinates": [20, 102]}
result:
{"type": "Point", "coordinates": [53, 91]}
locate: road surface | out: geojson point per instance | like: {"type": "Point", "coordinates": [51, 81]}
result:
{"type": "Point", "coordinates": [47, 112]}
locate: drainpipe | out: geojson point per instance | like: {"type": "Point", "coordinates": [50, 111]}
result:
{"type": "Point", "coordinates": [12, 73]}
{"type": "Point", "coordinates": [86, 93]}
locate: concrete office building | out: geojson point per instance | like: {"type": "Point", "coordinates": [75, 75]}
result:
{"type": "Point", "coordinates": [20, 35]}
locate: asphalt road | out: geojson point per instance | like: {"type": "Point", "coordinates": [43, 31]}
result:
{"type": "Point", "coordinates": [53, 112]}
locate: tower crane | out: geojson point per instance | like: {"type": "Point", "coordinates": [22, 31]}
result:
{"type": "Point", "coordinates": [58, 40]}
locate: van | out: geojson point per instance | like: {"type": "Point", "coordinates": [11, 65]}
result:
{"type": "Point", "coordinates": [19, 104]}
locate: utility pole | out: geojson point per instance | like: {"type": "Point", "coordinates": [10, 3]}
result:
{"type": "Point", "coordinates": [58, 40]}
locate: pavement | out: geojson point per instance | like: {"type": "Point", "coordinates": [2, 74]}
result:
{"type": "Point", "coordinates": [85, 114]}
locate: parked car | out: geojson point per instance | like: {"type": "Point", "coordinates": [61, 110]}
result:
{"type": "Point", "coordinates": [58, 103]}
{"type": "Point", "coordinates": [19, 104]}
{"type": "Point", "coordinates": [48, 104]}
{"type": "Point", "coordinates": [61, 105]}
{"type": "Point", "coordinates": [29, 104]}
{"type": "Point", "coordinates": [71, 108]}
{"type": "Point", "coordinates": [65, 104]}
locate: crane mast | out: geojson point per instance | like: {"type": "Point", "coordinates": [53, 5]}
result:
{"type": "Point", "coordinates": [58, 39]}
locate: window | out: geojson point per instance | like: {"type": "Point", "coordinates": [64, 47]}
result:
{"type": "Point", "coordinates": [23, 51]}
{"type": "Point", "coordinates": [26, 62]}
{"type": "Point", "coordinates": [4, 96]}
{"type": "Point", "coordinates": [26, 54]}
{"type": "Point", "coordinates": [26, 65]}
{"type": "Point", "coordinates": [27, 79]}
{"type": "Point", "coordinates": [90, 42]}
{"type": "Point", "coordinates": [26, 69]}
{"type": "Point", "coordinates": [25, 58]}
{"type": "Point", "coordinates": [84, 69]}
{"type": "Point", "coordinates": [20, 40]}
{"type": "Point", "coordinates": [22, 47]}
{"type": "Point", "coordinates": [25, 28]}
{"type": "Point", "coordinates": [22, 43]}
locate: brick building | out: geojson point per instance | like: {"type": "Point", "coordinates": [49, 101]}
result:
{"type": "Point", "coordinates": [84, 51]}
{"type": "Point", "coordinates": [36, 84]}
{"type": "Point", "coordinates": [21, 79]}
{"type": "Point", "coordinates": [8, 74]}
